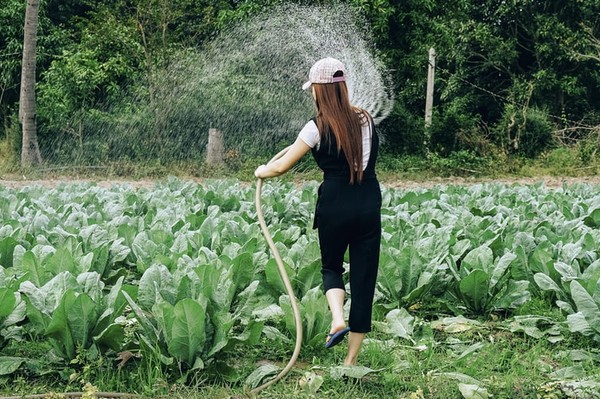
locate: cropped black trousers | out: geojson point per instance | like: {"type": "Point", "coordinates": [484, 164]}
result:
{"type": "Point", "coordinates": [348, 217]}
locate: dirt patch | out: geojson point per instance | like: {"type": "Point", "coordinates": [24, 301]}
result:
{"type": "Point", "coordinates": [548, 181]}
{"type": "Point", "coordinates": [53, 183]}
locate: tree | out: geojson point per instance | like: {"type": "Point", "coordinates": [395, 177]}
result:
{"type": "Point", "coordinates": [30, 152]}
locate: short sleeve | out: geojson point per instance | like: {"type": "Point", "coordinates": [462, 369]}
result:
{"type": "Point", "coordinates": [310, 134]}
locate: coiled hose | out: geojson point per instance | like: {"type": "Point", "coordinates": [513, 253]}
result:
{"type": "Point", "coordinates": [286, 282]}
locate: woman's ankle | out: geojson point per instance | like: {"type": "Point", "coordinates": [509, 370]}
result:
{"type": "Point", "coordinates": [338, 324]}
{"type": "Point", "coordinates": [350, 361]}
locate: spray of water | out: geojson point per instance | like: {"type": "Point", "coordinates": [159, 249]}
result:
{"type": "Point", "coordinates": [280, 45]}
{"type": "Point", "coordinates": [247, 83]}
{"type": "Point", "coordinates": [265, 61]}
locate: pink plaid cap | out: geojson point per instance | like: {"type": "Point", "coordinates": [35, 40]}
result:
{"type": "Point", "coordinates": [323, 70]}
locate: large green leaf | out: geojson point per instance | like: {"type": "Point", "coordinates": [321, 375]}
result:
{"type": "Point", "coordinates": [91, 283]}
{"type": "Point", "coordinates": [521, 269]}
{"type": "Point", "coordinates": [7, 302]}
{"type": "Point", "coordinates": [113, 304]}
{"type": "Point", "coordinates": [242, 270]}
{"type": "Point", "coordinates": [258, 375]}
{"type": "Point", "coordinates": [304, 252]}
{"type": "Point", "coordinates": [251, 335]}
{"type": "Point", "coordinates": [82, 316]}
{"type": "Point", "coordinates": [223, 323]}
{"type": "Point", "coordinates": [162, 311]}
{"type": "Point", "coordinates": [290, 320]}
{"type": "Point", "coordinates": [9, 364]}
{"type": "Point", "coordinates": [111, 337]}
{"type": "Point", "coordinates": [208, 278]}
{"type": "Point", "coordinates": [388, 277]}
{"type": "Point", "coordinates": [435, 247]}
{"type": "Point", "coordinates": [99, 261]}
{"type": "Point", "coordinates": [590, 279]}
{"type": "Point", "coordinates": [578, 323]}
{"type": "Point", "coordinates": [546, 283]}
{"type": "Point", "coordinates": [224, 292]}
{"type": "Point", "coordinates": [400, 324]}
{"type": "Point", "coordinates": [18, 314]}
{"type": "Point", "coordinates": [425, 284]}
{"type": "Point", "coordinates": [274, 278]}
{"type": "Point", "coordinates": [316, 316]}
{"type": "Point", "coordinates": [481, 258]}
{"type": "Point", "coordinates": [474, 288]}
{"type": "Point", "coordinates": [150, 331]}
{"type": "Point", "coordinates": [593, 219]}
{"type": "Point", "coordinates": [501, 267]}
{"type": "Point", "coordinates": [188, 331]}
{"type": "Point", "coordinates": [410, 264]}
{"type": "Point", "coordinates": [515, 294]}
{"type": "Point", "coordinates": [568, 272]}
{"type": "Point", "coordinates": [586, 305]}
{"type": "Point", "coordinates": [542, 259]}
{"type": "Point", "coordinates": [144, 249]}
{"type": "Point", "coordinates": [309, 276]}
{"type": "Point", "coordinates": [58, 329]}
{"type": "Point", "coordinates": [156, 282]}
{"type": "Point", "coordinates": [62, 261]}
{"type": "Point", "coordinates": [7, 247]}
{"type": "Point", "coordinates": [46, 298]}
{"type": "Point", "coordinates": [35, 272]}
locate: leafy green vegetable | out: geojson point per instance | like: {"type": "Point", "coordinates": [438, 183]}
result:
{"type": "Point", "coordinates": [316, 318]}
{"type": "Point", "coordinates": [483, 284]}
{"type": "Point", "coordinates": [186, 331]}
{"type": "Point", "coordinates": [82, 262]}
{"type": "Point", "coordinates": [587, 318]}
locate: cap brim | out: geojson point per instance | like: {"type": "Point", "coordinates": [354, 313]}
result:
{"type": "Point", "coordinates": [306, 85]}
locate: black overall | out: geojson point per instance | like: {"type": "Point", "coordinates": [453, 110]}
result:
{"type": "Point", "coordinates": [349, 216]}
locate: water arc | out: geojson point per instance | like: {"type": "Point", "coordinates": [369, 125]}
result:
{"type": "Point", "coordinates": [248, 81]}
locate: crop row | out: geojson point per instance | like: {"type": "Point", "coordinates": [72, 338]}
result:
{"type": "Point", "coordinates": [180, 271]}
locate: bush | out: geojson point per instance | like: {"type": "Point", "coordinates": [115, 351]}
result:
{"type": "Point", "coordinates": [527, 135]}
{"type": "Point", "coordinates": [10, 145]}
{"type": "Point", "coordinates": [449, 123]}
{"type": "Point", "coordinates": [587, 148]}
{"type": "Point", "coordinates": [402, 132]}
{"type": "Point", "coordinates": [461, 163]}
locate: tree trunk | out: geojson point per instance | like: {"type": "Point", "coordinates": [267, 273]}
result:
{"type": "Point", "coordinates": [30, 153]}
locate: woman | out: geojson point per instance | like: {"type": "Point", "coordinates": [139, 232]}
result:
{"type": "Point", "coordinates": [344, 143]}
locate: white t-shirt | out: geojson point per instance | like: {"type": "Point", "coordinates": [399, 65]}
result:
{"type": "Point", "coordinates": [310, 135]}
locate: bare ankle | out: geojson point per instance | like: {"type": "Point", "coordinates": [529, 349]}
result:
{"type": "Point", "coordinates": [350, 361]}
{"type": "Point", "coordinates": [337, 325]}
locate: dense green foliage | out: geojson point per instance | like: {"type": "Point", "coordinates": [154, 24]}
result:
{"type": "Point", "coordinates": [178, 277]}
{"type": "Point", "coordinates": [513, 77]}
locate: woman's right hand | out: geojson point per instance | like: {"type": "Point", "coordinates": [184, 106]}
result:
{"type": "Point", "coordinates": [260, 171]}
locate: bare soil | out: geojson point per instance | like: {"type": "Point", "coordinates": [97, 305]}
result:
{"type": "Point", "coordinates": [548, 181]}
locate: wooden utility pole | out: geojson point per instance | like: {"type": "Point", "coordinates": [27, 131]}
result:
{"type": "Point", "coordinates": [30, 153]}
{"type": "Point", "coordinates": [430, 81]}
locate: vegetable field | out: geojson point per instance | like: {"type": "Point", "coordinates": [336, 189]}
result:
{"type": "Point", "coordinates": [178, 277]}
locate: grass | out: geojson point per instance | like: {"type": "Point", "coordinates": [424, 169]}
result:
{"type": "Point", "coordinates": [508, 365]}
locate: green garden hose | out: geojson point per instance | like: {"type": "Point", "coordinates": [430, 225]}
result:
{"type": "Point", "coordinates": [286, 282]}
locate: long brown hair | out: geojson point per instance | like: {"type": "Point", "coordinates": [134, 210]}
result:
{"type": "Point", "coordinates": [335, 115]}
